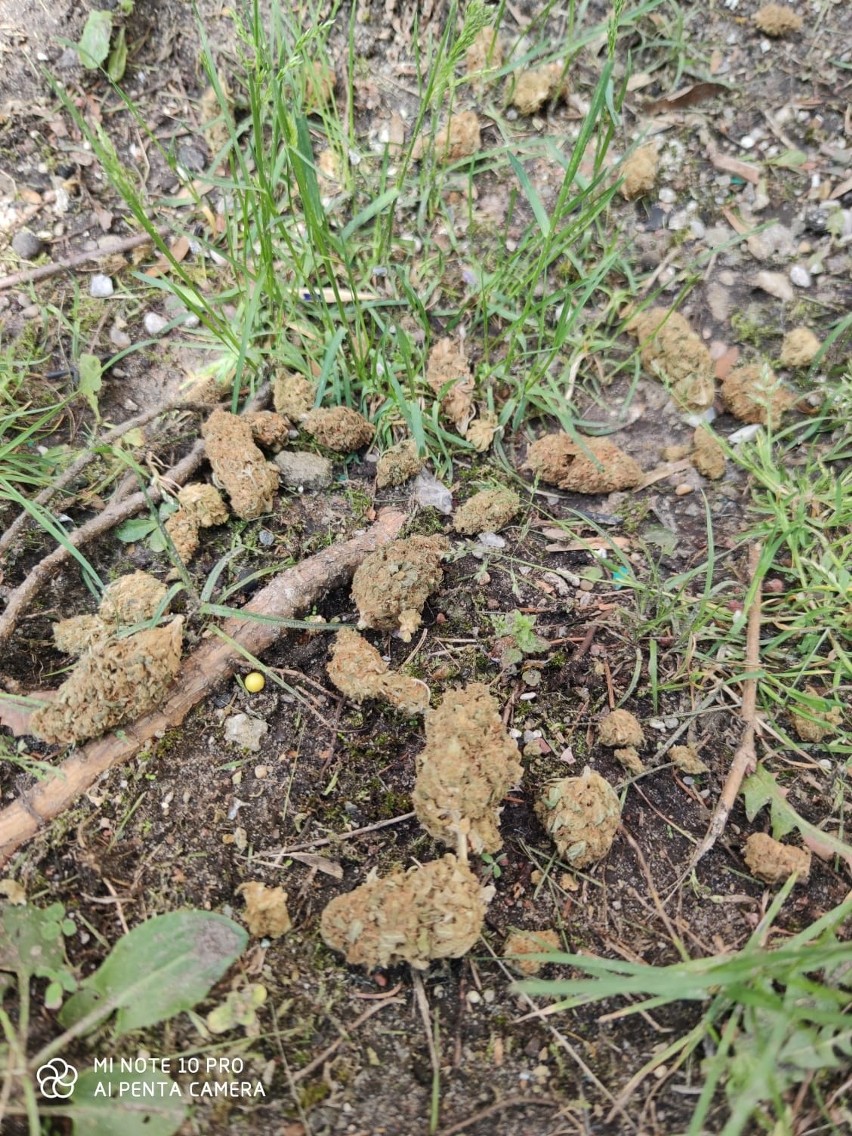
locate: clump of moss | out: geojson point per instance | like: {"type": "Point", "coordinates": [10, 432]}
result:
{"type": "Point", "coordinates": [339, 428]}
{"type": "Point", "coordinates": [639, 172]}
{"type": "Point", "coordinates": [201, 506]}
{"type": "Point", "coordinates": [239, 465]}
{"type": "Point", "coordinates": [594, 466]}
{"type": "Point", "coordinates": [754, 394]}
{"type": "Point", "coordinates": [392, 584]}
{"type": "Point", "coordinates": [430, 912]}
{"type": "Point", "coordinates": [581, 814]}
{"type": "Point", "coordinates": [672, 351]}
{"type": "Point", "coordinates": [398, 464]}
{"type": "Point", "coordinates": [359, 672]}
{"type": "Point", "coordinates": [465, 770]}
{"type": "Point", "coordinates": [118, 681]}
{"type": "Point", "coordinates": [777, 20]}
{"type": "Point", "coordinates": [799, 348]}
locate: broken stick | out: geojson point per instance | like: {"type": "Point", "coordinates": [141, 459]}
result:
{"type": "Point", "coordinates": [289, 593]}
{"type": "Point", "coordinates": [745, 759]}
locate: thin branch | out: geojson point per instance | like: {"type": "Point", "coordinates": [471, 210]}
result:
{"type": "Point", "coordinates": [745, 758]}
{"type": "Point", "coordinates": [294, 590]}
{"type": "Point", "coordinates": [33, 275]}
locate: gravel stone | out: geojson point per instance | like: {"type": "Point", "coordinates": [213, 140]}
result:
{"type": "Point", "coordinates": [26, 244]}
{"type": "Point", "coordinates": [100, 286]}
{"type": "Point", "coordinates": [304, 471]}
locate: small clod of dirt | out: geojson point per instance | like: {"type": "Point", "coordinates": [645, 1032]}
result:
{"type": "Point", "coordinates": [485, 53]}
{"type": "Point", "coordinates": [293, 396]}
{"type": "Point", "coordinates": [393, 583]}
{"type": "Point", "coordinates": [673, 352]}
{"type": "Point", "coordinates": [429, 912]}
{"type": "Point", "coordinates": [488, 511]}
{"type": "Point", "coordinates": [773, 862]}
{"type": "Point", "coordinates": [639, 172]}
{"type": "Point", "coordinates": [582, 816]}
{"type": "Point", "coordinates": [339, 428]}
{"type": "Point", "coordinates": [777, 20]}
{"type": "Point", "coordinates": [799, 348]}
{"type": "Point", "coordinates": [535, 87]}
{"type": "Point", "coordinates": [687, 760]}
{"type": "Point", "coordinates": [465, 770]}
{"type": "Point", "coordinates": [398, 464]}
{"type": "Point", "coordinates": [521, 943]}
{"type": "Point", "coordinates": [359, 671]}
{"type": "Point", "coordinates": [239, 465]}
{"type": "Point", "coordinates": [266, 914]}
{"type": "Point", "coordinates": [460, 138]}
{"type": "Point", "coordinates": [708, 456]}
{"type": "Point", "coordinates": [120, 681]}
{"type": "Point", "coordinates": [621, 728]}
{"type": "Point", "coordinates": [268, 428]}
{"type": "Point", "coordinates": [597, 465]}
{"type": "Point", "coordinates": [629, 757]}
{"type": "Point", "coordinates": [201, 506]}
{"type": "Point", "coordinates": [755, 394]}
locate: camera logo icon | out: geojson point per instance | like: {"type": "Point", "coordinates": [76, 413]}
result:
{"type": "Point", "coordinates": [56, 1079]}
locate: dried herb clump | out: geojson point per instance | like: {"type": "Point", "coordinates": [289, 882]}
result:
{"type": "Point", "coordinates": [117, 682]}
{"type": "Point", "coordinates": [582, 815]}
{"type": "Point", "coordinates": [621, 728]}
{"type": "Point", "coordinates": [393, 583]}
{"type": "Point", "coordinates": [128, 600]}
{"type": "Point", "coordinates": [430, 912]}
{"type": "Point", "coordinates": [672, 351]}
{"type": "Point", "coordinates": [639, 172]}
{"type": "Point", "coordinates": [754, 394]}
{"type": "Point", "coordinates": [339, 428]}
{"type": "Point", "coordinates": [595, 466]}
{"type": "Point", "coordinates": [359, 672]}
{"type": "Point", "coordinates": [201, 506]}
{"type": "Point", "coordinates": [488, 511]}
{"type": "Point", "coordinates": [398, 464]}
{"type": "Point", "coordinates": [238, 464]}
{"type": "Point", "coordinates": [465, 770]}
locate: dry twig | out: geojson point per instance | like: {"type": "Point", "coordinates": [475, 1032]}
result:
{"type": "Point", "coordinates": [745, 759]}
{"type": "Point", "coordinates": [32, 275]}
{"type": "Point", "coordinates": [289, 593]}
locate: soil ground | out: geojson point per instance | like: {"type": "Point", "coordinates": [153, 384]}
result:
{"type": "Point", "coordinates": [190, 821]}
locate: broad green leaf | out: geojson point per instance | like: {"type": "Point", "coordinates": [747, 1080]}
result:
{"type": "Point", "coordinates": [162, 967]}
{"type": "Point", "coordinates": [93, 47]}
{"type": "Point", "coordinates": [118, 57]}
{"type": "Point", "coordinates": [32, 943]}
{"type": "Point", "coordinates": [90, 371]}
{"type": "Point", "coordinates": [104, 1104]}
{"type": "Point", "coordinates": [137, 528]}
{"type": "Point", "coordinates": [761, 789]}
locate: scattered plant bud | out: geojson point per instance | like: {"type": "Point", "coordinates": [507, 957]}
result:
{"type": "Point", "coordinates": [639, 172]}
{"type": "Point", "coordinates": [239, 465]}
{"type": "Point", "coordinates": [487, 511]}
{"type": "Point", "coordinates": [339, 428]}
{"type": "Point", "coordinates": [398, 464]}
{"type": "Point", "coordinates": [672, 351]}
{"type": "Point", "coordinates": [799, 348]}
{"type": "Point", "coordinates": [687, 760]}
{"type": "Point", "coordinates": [777, 20]}
{"type": "Point", "coordinates": [522, 943]}
{"type": "Point", "coordinates": [266, 914]}
{"type": "Point", "coordinates": [293, 396]}
{"type": "Point", "coordinates": [430, 912]}
{"type": "Point", "coordinates": [582, 815]}
{"type": "Point", "coordinates": [755, 394]}
{"type": "Point", "coordinates": [708, 457]}
{"type": "Point", "coordinates": [620, 728]}
{"type": "Point", "coordinates": [392, 584]}
{"type": "Point", "coordinates": [465, 770]}
{"type": "Point", "coordinates": [773, 862]}
{"type": "Point", "coordinates": [595, 465]}
{"type": "Point", "coordinates": [359, 672]}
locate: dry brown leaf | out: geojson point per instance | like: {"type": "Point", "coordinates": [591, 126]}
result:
{"type": "Point", "coordinates": [729, 165]}
{"type": "Point", "coordinates": [686, 97]}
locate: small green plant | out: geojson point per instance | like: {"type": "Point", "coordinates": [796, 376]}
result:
{"type": "Point", "coordinates": [772, 1018]}
{"type": "Point", "coordinates": [160, 968]}
{"type": "Point", "coordinates": [521, 629]}
{"type": "Point", "coordinates": [97, 44]}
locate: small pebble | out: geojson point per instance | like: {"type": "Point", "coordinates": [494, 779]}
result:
{"type": "Point", "coordinates": [154, 323]}
{"type": "Point", "coordinates": [683, 489]}
{"type": "Point", "coordinates": [26, 244]}
{"type": "Point", "coordinates": [800, 276]}
{"type": "Point", "coordinates": [100, 286]}
{"type": "Point", "coordinates": [266, 538]}
{"type": "Point", "coordinates": [667, 196]}
{"type": "Point", "coordinates": [119, 338]}
{"type": "Point", "coordinates": [747, 142]}
{"type": "Point", "coordinates": [657, 724]}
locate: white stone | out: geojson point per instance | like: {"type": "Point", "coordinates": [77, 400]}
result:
{"type": "Point", "coordinates": [100, 286]}
{"type": "Point", "coordinates": [800, 276]}
{"type": "Point", "coordinates": [245, 732]}
{"type": "Point", "coordinates": [667, 196]}
{"type": "Point", "coordinates": [154, 323]}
